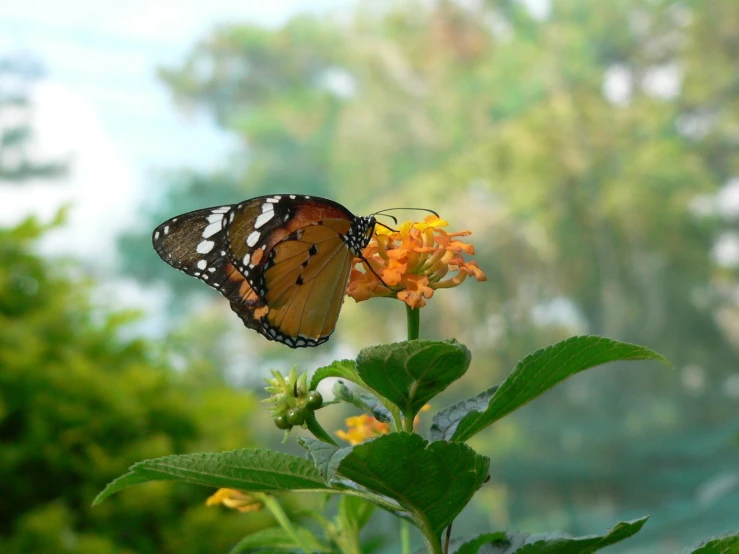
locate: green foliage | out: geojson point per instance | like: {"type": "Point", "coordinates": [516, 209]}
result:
{"type": "Point", "coordinates": [721, 545]}
{"type": "Point", "coordinates": [410, 373]}
{"type": "Point", "coordinates": [426, 483]}
{"type": "Point", "coordinates": [532, 376]}
{"type": "Point", "coordinates": [364, 401]}
{"type": "Point", "coordinates": [79, 403]}
{"type": "Point", "coordinates": [248, 469]}
{"type": "Point", "coordinates": [433, 482]}
{"type": "Point", "coordinates": [510, 543]}
{"type": "Point", "coordinates": [344, 369]}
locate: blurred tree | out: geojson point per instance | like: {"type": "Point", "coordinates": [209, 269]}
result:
{"type": "Point", "coordinates": [79, 404]}
{"type": "Point", "coordinates": [585, 145]}
{"type": "Point", "coordinates": [18, 160]}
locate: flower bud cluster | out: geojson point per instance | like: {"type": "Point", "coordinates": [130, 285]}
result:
{"type": "Point", "coordinates": [291, 399]}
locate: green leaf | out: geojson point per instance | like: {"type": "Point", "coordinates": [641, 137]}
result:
{"type": "Point", "coordinates": [344, 369]}
{"type": "Point", "coordinates": [248, 470]}
{"type": "Point", "coordinates": [410, 373]}
{"type": "Point", "coordinates": [364, 401]}
{"type": "Point", "coordinates": [326, 457]}
{"type": "Point", "coordinates": [549, 543]}
{"type": "Point", "coordinates": [720, 545]}
{"type": "Point", "coordinates": [445, 421]}
{"type": "Point", "coordinates": [494, 543]}
{"type": "Point", "coordinates": [535, 374]}
{"type": "Point", "coordinates": [433, 481]}
{"type": "Point", "coordinates": [276, 539]}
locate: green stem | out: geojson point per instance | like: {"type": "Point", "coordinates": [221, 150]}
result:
{"type": "Point", "coordinates": [405, 537]}
{"type": "Point", "coordinates": [413, 315]}
{"type": "Point", "coordinates": [318, 431]}
{"type": "Point", "coordinates": [279, 514]}
{"type": "Point", "coordinates": [408, 424]}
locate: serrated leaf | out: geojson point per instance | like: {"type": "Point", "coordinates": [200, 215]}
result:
{"type": "Point", "coordinates": [431, 481]}
{"type": "Point", "coordinates": [363, 401]}
{"type": "Point", "coordinates": [496, 543]}
{"type": "Point", "coordinates": [410, 373]}
{"type": "Point", "coordinates": [539, 372]}
{"type": "Point", "coordinates": [445, 421]}
{"type": "Point", "coordinates": [276, 539]}
{"type": "Point", "coordinates": [249, 469]}
{"type": "Point", "coordinates": [326, 457]}
{"type": "Point", "coordinates": [549, 543]}
{"type": "Point", "coordinates": [343, 369]}
{"type": "Point", "coordinates": [727, 544]}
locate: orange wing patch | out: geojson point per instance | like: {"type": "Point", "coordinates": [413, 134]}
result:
{"type": "Point", "coordinates": [307, 278]}
{"type": "Point", "coordinates": [245, 294]}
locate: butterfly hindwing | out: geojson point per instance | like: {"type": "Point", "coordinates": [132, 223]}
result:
{"type": "Point", "coordinates": [305, 279]}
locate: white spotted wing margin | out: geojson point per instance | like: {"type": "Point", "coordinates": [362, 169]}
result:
{"type": "Point", "coordinates": [195, 243]}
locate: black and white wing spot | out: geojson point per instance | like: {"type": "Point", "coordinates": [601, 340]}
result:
{"type": "Point", "coordinates": [195, 243]}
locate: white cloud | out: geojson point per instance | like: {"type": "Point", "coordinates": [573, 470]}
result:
{"type": "Point", "coordinates": [100, 187]}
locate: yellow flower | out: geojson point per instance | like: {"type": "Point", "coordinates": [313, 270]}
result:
{"type": "Point", "coordinates": [362, 428]}
{"type": "Point", "coordinates": [413, 261]}
{"type": "Point", "coordinates": [234, 499]}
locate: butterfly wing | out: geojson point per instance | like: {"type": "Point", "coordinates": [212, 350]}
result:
{"type": "Point", "coordinates": [305, 278]}
{"type": "Point", "coordinates": [283, 261]}
{"type": "Point", "coordinates": [195, 243]}
{"type": "Point", "coordinates": [294, 252]}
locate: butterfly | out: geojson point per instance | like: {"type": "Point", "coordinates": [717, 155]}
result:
{"type": "Point", "coordinates": [283, 261]}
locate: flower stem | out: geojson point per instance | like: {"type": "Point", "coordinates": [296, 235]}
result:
{"type": "Point", "coordinates": [413, 316]}
{"type": "Point", "coordinates": [279, 514]}
{"type": "Point", "coordinates": [405, 537]}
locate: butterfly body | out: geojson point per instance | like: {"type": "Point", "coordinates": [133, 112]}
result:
{"type": "Point", "coordinates": [283, 261]}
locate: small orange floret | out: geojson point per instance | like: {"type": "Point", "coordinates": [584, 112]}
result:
{"type": "Point", "coordinates": [413, 261]}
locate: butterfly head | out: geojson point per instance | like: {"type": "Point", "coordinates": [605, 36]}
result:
{"type": "Point", "coordinates": [360, 234]}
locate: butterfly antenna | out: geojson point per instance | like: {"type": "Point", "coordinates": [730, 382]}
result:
{"type": "Point", "coordinates": [386, 227]}
{"type": "Point", "coordinates": [381, 212]}
{"type": "Point", "coordinates": [395, 219]}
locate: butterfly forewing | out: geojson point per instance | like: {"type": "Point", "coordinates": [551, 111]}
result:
{"type": "Point", "coordinates": [195, 243]}
{"type": "Point", "coordinates": [255, 227]}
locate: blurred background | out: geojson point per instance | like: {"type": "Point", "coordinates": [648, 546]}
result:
{"type": "Point", "coordinates": [591, 147]}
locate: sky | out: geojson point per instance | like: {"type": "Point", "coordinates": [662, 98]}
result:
{"type": "Point", "coordinates": [102, 106]}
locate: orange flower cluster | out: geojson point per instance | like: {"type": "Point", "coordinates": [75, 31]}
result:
{"type": "Point", "coordinates": [235, 499]}
{"type": "Point", "coordinates": [364, 427]}
{"type": "Point", "coordinates": [413, 262]}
